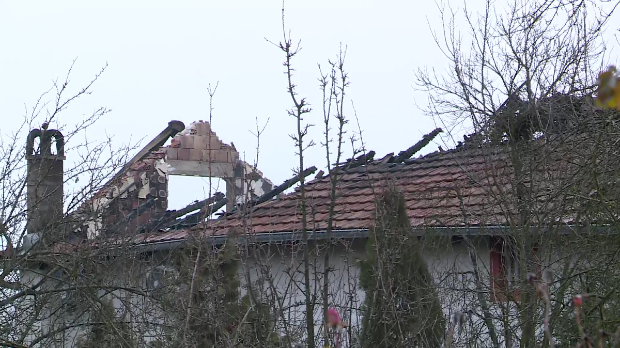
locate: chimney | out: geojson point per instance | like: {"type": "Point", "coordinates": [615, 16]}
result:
{"type": "Point", "coordinates": [44, 181]}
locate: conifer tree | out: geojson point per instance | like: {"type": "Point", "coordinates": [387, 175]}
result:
{"type": "Point", "coordinates": [401, 306]}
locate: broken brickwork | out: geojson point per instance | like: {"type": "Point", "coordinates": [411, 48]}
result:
{"type": "Point", "coordinates": [198, 151]}
{"type": "Point", "coordinates": [134, 196]}
{"type": "Point", "coordinates": [137, 197]}
{"type": "Point", "coordinates": [199, 144]}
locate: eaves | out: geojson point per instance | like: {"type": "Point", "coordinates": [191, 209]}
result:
{"type": "Point", "coordinates": [297, 236]}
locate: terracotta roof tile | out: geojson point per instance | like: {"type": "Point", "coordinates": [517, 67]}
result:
{"type": "Point", "coordinates": [437, 188]}
{"type": "Point", "coordinates": [445, 189]}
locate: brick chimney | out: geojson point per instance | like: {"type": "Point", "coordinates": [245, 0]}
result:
{"type": "Point", "coordinates": [44, 181]}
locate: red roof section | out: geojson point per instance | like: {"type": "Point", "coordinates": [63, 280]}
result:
{"type": "Point", "coordinates": [443, 189]}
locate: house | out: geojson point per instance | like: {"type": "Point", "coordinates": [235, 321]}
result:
{"type": "Point", "coordinates": [460, 204]}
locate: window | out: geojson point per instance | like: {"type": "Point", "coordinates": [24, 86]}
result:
{"type": "Point", "coordinates": [505, 269]}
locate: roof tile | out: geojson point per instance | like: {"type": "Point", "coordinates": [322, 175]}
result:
{"type": "Point", "coordinates": [431, 185]}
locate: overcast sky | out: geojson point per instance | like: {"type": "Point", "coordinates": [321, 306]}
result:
{"type": "Point", "coordinates": [162, 57]}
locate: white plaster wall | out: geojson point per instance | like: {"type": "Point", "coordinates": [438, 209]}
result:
{"type": "Point", "coordinates": [281, 269]}
{"type": "Point", "coordinates": [50, 325]}
{"type": "Point", "coordinates": [451, 267]}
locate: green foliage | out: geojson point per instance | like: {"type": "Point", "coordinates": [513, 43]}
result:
{"type": "Point", "coordinates": [107, 330]}
{"type": "Point", "coordinates": [258, 324]}
{"type": "Point", "coordinates": [401, 306]}
{"type": "Point", "coordinates": [218, 315]}
{"type": "Point", "coordinates": [215, 308]}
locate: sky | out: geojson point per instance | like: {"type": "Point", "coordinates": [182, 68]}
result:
{"type": "Point", "coordinates": [162, 56]}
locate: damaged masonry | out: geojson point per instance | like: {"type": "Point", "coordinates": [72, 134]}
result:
{"type": "Point", "coordinates": [136, 198]}
{"type": "Point", "coordinates": [445, 194]}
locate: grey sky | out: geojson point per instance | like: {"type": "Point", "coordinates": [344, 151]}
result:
{"type": "Point", "coordinates": [162, 57]}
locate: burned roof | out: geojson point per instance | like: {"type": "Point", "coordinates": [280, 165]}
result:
{"type": "Point", "coordinates": [443, 189]}
{"type": "Point", "coordinates": [439, 189]}
{"type": "Point", "coordinates": [471, 186]}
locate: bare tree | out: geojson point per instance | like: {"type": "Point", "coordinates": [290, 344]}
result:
{"type": "Point", "coordinates": [522, 78]}
{"type": "Point", "coordinates": [333, 86]}
{"type": "Point", "coordinates": [35, 269]}
{"type": "Point", "coordinates": [299, 109]}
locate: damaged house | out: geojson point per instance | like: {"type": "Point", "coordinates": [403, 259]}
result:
{"type": "Point", "coordinates": [471, 208]}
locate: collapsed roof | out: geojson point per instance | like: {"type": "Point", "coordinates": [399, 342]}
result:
{"type": "Point", "coordinates": [469, 187]}
{"type": "Point", "coordinates": [136, 198]}
{"type": "Point", "coordinates": [464, 190]}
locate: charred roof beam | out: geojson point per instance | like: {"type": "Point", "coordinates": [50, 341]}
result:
{"type": "Point", "coordinates": [285, 185]}
{"type": "Point", "coordinates": [358, 161]}
{"type": "Point", "coordinates": [173, 128]}
{"type": "Point", "coordinates": [196, 218]}
{"type": "Point", "coordinates": [426, 139]}
{"type": "Point", "coordinates": [277, 190]}
{"type": "Point", "coordinates": [172, 215]}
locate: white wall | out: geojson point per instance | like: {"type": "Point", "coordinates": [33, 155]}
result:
{"type": "Point", "coordinates": [281, 267]}
{"type": "Point", "coordinates": [451, 267]}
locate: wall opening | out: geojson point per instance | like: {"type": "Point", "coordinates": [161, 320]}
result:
{"type": "Point", "coordinates": [184, 190]}
{"type": "Point", "coordinates": [53, 150]}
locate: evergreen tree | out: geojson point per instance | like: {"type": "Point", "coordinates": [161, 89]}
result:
{"type": "Point", "coordinates": [107, 330]}
{"type": "Point", "coordinates": [401, 306]}
{"type": "Point", "coordinates": [219, 316]}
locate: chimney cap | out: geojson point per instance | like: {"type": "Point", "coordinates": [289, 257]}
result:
{"type": "Point", "coordinates": [45, 143]}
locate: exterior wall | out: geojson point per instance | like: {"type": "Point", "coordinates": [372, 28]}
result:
{"type": "Point", "coordinates": [451, 267]}
{"type": "Point", "coordinates": [280, 269]}
{"type": "Point", "coordinates": [284, 270]}
{"type": "Point", "coordinates": [131, 200]}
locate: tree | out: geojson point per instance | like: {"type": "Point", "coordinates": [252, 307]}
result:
{"type": "Point", "coordinates": [298, 110]}
{"type": "Point", "coordinates": [522, 79]}
{"type": "Point", "coordinates": [202, 297]}
{"type": "Point", "coordinates": [333, 85]}
{"type": "Point", "coordinates": [401, 307]}
{"type": "Point", "coordinates": [112, 333]}
{"type": "Point", "coordinates": [42, 282]}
